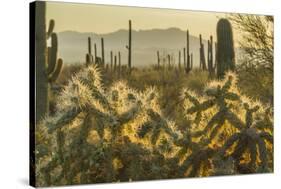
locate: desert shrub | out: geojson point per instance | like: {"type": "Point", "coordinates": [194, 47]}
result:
{"type": "Point", "coordinates": [256, 65]}
{"type": "Point", "coordinates": [67, 72]}
{"type": "Point", "coordinates": [197, 80]}
{"type": "Point", "coordinates": [256, 82]}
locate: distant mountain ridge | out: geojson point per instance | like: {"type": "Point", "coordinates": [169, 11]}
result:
{"type": "Point", "coordinates": [145, 44]}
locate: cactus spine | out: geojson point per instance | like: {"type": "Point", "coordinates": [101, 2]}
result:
{"type": "Point", "coordinates": [202, 54]}
{"type": "Point", "coordinates": [211, 66]}
{"type": "Point", "coordinates": [129, 47]}
{"type": "Point", "coordinates": [47, 66]}
{"type": "Point", "coordinates": [225, 48]}
{"type": "Point", "coordinates": [89, 56]}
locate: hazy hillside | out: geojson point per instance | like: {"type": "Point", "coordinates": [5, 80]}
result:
{"type": "Point", "coordinates": [145, 43]}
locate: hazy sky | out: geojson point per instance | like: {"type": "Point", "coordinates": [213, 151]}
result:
{"type": "Point", "coordinates": [104, 19]}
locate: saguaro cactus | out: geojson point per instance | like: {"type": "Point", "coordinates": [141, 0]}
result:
{"type": "Point", "coordinates": [158, 60]}
{"type": "Point", "coordinates": [47, 66]}
{"type": "Point", "coordinates": [211, 66]}
{"type": "Point", "coordinates": [169, 61]}
{"type": "Point", "coordinates": [129, 47]}
{"type": "Point", "coordinates": [187, 51]}
{"type": "Point", "coordinates": [115, 63]}
{"type": "Point", "coordinates": [179, 60]}
{"type": "Point", "coordinates": [202, 54]}
{"type": "Point", "coordinates": [225, 48]}
{"type": "Point", "coordinates": [191, 60]}
{"type": "Point", "coordinates": [89, 56]}
{"type": "Point", "coordinates": [111, 60]}
{"type": "Point", "coordinates": [119, 64]}
{"type": "Point", "coordinates": [102, 51]}
{"type": "Point", "coordinates": [96, 53]}
{"type": "Point", "coordinates": [187, 64]}
{"type": "Point", "coordinates": [184, 58]}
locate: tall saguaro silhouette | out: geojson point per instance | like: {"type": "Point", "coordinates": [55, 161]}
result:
{"type": "Point", "coordinates": [129, 47]}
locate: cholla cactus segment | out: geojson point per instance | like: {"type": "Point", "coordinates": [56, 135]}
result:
{"type": "Point", "coordinates": [91, 77]}
{"type": "Point", "coordinates": [250, 139]}
{"type": "Point", "coordinates": [197, 162]}
{"type": "Point", "coordinates": [198, 105]}
{"type": "Point", "coordinates": [156, 122]}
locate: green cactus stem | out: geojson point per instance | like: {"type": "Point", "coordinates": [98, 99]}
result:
{"type": "Point", "coordinates": [211, 66]}
{"type": "Point", "coordinates": [202, 54]}
{"type": "Point", "coordinates": [111, 60]}
{"type": "Point", "coordinates": [119, 64]}
{"type": "Point", "coordinates": [187, 50]}
{"type": "Point", "coordinates": [129, 47]}
{"type": "Point", "coordinates": [179, 60]}
{"type": "Point", "coordinates": [169, 61]}
{"type": "Point", "coordinates": [191, 60]}
{"type": "Point", "coordinates": [115, 63]}
{"type": "Point", "coordinates": [89, 56]}
{"type": "Point", "coordinates": [158, 60]}
{"type": "Point", "coordinates": [102, 52]}
{"type": "Point", "coordinates": [53, 77]}
{"type": "Point", "coordinates": [47, 65]}
{"type": "Point", "coordinates": [51, 28]}
{"type": "Point", "coordinates": [184, 58]}
{"type": "Point", "coordinates": [96, 54]}
{"type": "Point", "coordinates": [42, 103]}
{"type": "Point", "coordinates": [52, 53]}
{"type": "Point", "coordinates": [225, 48]}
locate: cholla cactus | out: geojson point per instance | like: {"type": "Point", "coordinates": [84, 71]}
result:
{"type": "Point", "coordinates": [90, 118]}
{"type": "Point", "coordinates": [156, 124]}
{"type": "Point", "coordinates": [218, 102]}
{"type": "Point", "coordinates": [254, 136]}
{"type": "Point", "coordinates": [120, 134]}
{"type": "Point", "coordinates": [222, 118]}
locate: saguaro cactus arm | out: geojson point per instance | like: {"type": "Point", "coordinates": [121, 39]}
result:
{"type": "Point", "coordinates": [53, 77]}
{"type": "Point", "coordinates": [51, 28]}
{"type": "Point", "coordinates": [52, 53]}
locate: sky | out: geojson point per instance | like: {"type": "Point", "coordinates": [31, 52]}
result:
{"type": "Point", "coordinates": [105, 19]}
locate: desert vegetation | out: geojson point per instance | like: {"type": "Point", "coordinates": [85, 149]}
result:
{"type": "Point", "coordinates": [109, 121]}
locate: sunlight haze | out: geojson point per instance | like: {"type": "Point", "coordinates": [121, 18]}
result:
{"type": "Point", "coordinates": [105, 19]}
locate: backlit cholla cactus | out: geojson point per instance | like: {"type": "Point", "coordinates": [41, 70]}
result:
{"type": "Point", "coordinates": [94, 135]}
{"type": "Point", "coordinates": [216, 110]}
{"type": "Point", "coordinates": [225, 121]}
{"type": "Point", "coordinates": [120, 134]}
{"type": "Point", "coordinates": [252, 143]}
